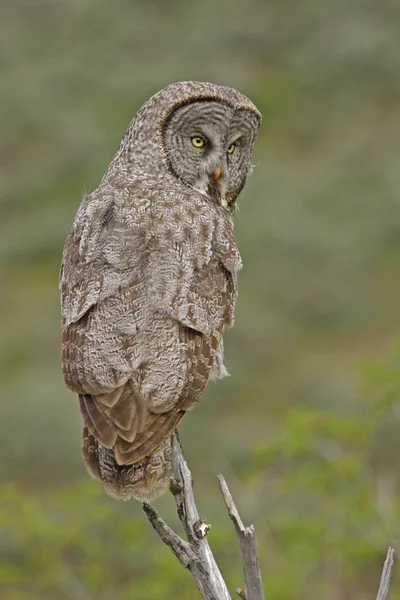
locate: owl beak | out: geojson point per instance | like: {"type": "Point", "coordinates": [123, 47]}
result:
{"type": "Point", "coordinates": [217, 174]}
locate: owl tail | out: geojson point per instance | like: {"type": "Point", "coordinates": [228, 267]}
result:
{"type": "Point", "coordinates": [143, 481]}
{"type": "Point", "coordinates": [122, 423]}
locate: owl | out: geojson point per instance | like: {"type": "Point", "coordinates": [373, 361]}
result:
{"type": "Point", "coordinates": [148, 280]}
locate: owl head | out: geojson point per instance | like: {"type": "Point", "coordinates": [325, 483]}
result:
{"type": "Point", "coordinates": [209, 145]}
{"type": "Point", "coordinates": [200, 133]}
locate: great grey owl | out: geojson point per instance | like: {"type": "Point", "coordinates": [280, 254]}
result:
{"type": "Point", "coordinates": [148, 280]}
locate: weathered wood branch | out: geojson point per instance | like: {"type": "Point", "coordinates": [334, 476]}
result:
{"type": "Point", "coordinates": [385, 577]}
{"type": "Point", "coordinates": [248, 549]}
{"type": "Point", "coordinates": [195, 554]}
{"type": "Point", "coordinates": [179, 547]}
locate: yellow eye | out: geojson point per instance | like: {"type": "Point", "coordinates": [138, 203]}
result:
{"type": "Point", "coordinates": [197, 141]}
{"type": "Point", "coordinates": [231, 148]}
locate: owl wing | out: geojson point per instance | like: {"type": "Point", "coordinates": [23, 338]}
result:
{"type": "Point", "coordinates": [103, 251]}
{"type": "Point", "coordinates": [200, 352]}
{"type": "Point", "coordinates": [121, 419]}
{"type": "Point", "coordinates": [111, 280]}
{"type": "Point", "coordinates": [103, 303]}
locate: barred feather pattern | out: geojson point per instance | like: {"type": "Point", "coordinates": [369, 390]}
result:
{"type": "Point", "coordinates": [148, 283]}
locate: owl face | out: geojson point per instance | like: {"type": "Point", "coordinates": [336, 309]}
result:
{"type": "Point", "coordinates": [209, 146]}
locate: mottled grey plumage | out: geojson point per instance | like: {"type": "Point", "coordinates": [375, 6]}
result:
{"type": "Point", "coordinates": [148, 280]}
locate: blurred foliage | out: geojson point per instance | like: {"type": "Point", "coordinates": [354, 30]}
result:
{"type": "Point", "coordinates": [311, 462]}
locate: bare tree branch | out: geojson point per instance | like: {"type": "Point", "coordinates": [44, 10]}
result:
{"type": "Point", "coordinates": [179, 547]}
{"type": "Point", "coordinates": [386, 574]}
{"type": "Point", "coordinates": [195, 555]}
{"type": "Point", "coordinates": [248, 549]}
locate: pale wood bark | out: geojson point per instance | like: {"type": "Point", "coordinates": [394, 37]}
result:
{"type": "Point", "coordinates": [195, 554]}
{"type": "Point", "coordinates": [248, 549]}
{"type": "Point", "coordinates": [386, 574]}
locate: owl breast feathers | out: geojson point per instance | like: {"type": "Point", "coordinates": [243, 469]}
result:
{"type": "Point", "coordinates": [148, 283]}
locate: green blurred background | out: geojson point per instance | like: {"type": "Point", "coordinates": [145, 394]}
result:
{"type": "Point", "coordinates": [305, 433]}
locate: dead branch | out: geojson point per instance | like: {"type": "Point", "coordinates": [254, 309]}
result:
{"type": "Point", "coordinates": [248, 549]}
{"type": "Point", "coordinates": [386, 574]}
{"type": "Point", "coordinates": [195, 554]}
